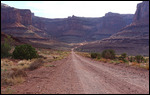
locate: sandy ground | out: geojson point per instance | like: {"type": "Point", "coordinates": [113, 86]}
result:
{"type": "Point", "coordinates": [79, 75]}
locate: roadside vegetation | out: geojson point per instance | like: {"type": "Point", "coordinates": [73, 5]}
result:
{"type": "Point", "coordinates": [109, 56]}
{"type": "Point", "coordinates": [6, 47]}
{"type": "Point", "coordinates": [17, 60]}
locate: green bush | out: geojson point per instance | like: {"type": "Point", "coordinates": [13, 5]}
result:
{"type": "Point", "coordinates": [95, 55]}
{"type": "Point", "coordinates": [125, 61]}
{"type": "Point", "coordinates": [5, 48]}
{"type": "Point", "coordinates": [108, 54]}
{"type": "Point", "coordinates": [98, 56]}
{"type": "Point", "coordinates": [24, 52]}
{"type": "Point", "coordinates": [131, 59]}
{"type": "Point", "coordinates": [123, 57]}
{"type": "Point", "coordinates": [139, 58]}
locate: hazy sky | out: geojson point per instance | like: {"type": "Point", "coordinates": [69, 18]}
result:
{"type": "Point", "coordinates": [63, 9]}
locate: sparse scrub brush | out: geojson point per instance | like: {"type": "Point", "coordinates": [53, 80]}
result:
{"type": "Point", "coordinates": [12, 77]}
{"type": "Point", "coordinates": [139, 58]}
{"type": "Point", "coordinates": [131, 59]}
{"type": "Point", "coordinates": [98, 56]}
{"type": "Point", "coordinates": [6, 46]}
{"type": "Point", "coordinates": [18, 73]}
{"type": "Point", "coordinates": [108, 54]}
{"type": "Point", "coordinates": [95, 55]}
{"type": "Point", "coordinates": [36, 64]}
{"type": "Point", "coordinates": [123, 57]}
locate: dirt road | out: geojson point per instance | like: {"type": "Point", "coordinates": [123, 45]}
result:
{"type": "Point", "coordinates": [76, 74]}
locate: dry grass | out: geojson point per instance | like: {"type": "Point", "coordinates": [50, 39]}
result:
{"type": "Point", "coordinates": [84, 54]}
{"type": "Point", "coordinates": [144, 65]}
{"type": "Point", "coordinates": [50, 65]}
{"type": "Point", "coordinates": [103, 60]}
{"type": "Point", "coordinates": [114, 61]}
{"type": "Point", "coordinates": [13, 71]}
{"type": "Point", "coordinates": [8, 90]}
{"type": "Point", "coordinates": [121, 61]}
{"type": "Point", "coordinates": [36, 64]}
{"type": "Point", "coordinates": [18, 73]}
{"type": "Point", "coordinates": [147, 66]}
{"type": "Point", "coordinates": [52, 55]}
{"type": "Point", "coordinates": [14, 80]}
{"type": "Point", "coordinates": [12, 77]}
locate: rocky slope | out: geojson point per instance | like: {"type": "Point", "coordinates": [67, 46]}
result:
{"type": "Point", "coordinates": [16, 41]}
{"type": "Point", "coordinates": [132, 39]}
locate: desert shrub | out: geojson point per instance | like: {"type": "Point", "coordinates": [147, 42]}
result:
{"type": "Point", "coordinates": [145, 60]}
{"type": "Point", "coordinates": [24, 52]}
{"type": "Point", "coordinates": [36, 64]}
{"type": "Point", "coordinates": [114, 61]}
{"type": "Point", "coordinates": [108, 54]}
{"type": "Point", "coordinates": [18, 73]}
{"type": "Point", "coordinates": [103, 60]}
{"type": "Point", "coordinates": [125, 61]}
{"type": "Point", "coordinates": [98, 56]}
{"type": "Point", "coordinates": [123, 56]}
{"type": "Point", "coordinates": [5, 48]}
{"type": "Point", "coordinates": [131, 59]}
{"type": "Point", "coordinates": [12, 77]}
{"type": "Point", "coordinates": [95, 55]}
{"type": "Point", "coordinates": [139, 58]}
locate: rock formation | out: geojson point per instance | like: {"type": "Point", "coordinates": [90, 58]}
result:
{"type": "Point", "coordinates": [18, 23]}
{"type": "Point", "coordinates": [12, 17]}
{"type": "Point", "coordinates": [132, 39]}
{"type": "Point", "coordinates": [142, 13]}
{"type": "Point", "coordinates": [72, 29]}
{"type": "Point", "coordinates": [79, 29]}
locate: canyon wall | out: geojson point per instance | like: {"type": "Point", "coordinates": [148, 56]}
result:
{"type": "Point", "coordinates": [133, 39]}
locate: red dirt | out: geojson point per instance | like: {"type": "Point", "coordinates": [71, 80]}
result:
{"type": "Point", "coordinates": [79, 75]}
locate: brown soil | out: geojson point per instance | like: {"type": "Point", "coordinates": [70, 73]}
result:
{"type": "Point", "coordinates": [78, 75]}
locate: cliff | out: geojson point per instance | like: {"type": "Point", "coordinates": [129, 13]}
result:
{"type": "Point", "coordinates": [142, 13]}
{"type": "Point", "coordinates": [23, 23]}
{"type": "Point", "coordinates": [133, 39]}
{"type": "Point", "coordinates": [18, 23]}
{"type": "Point", "coordinates": [12, 17]}
{"type": "Point", "coordinates": [79, 29]}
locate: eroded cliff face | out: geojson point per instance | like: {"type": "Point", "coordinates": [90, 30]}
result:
{"type": "Point", "coordinates": [142, 13]}
{"type": "Point", "coordinates": [18, 23]}
{"type": "Point", "coordinates": [113, 22]}
{"type": "Point", "coordinates": [132, 39]}
{"type": "Point", "coordinates": [21, 22]}
{"type": "Point", "coordinates": [79, 29]}
{"type": "Point", "coordinates": [26, 18]}
{"type": "Point", "coordinates": [140, 24]}
{"type": "Point", "coordinates": [11, 17]}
